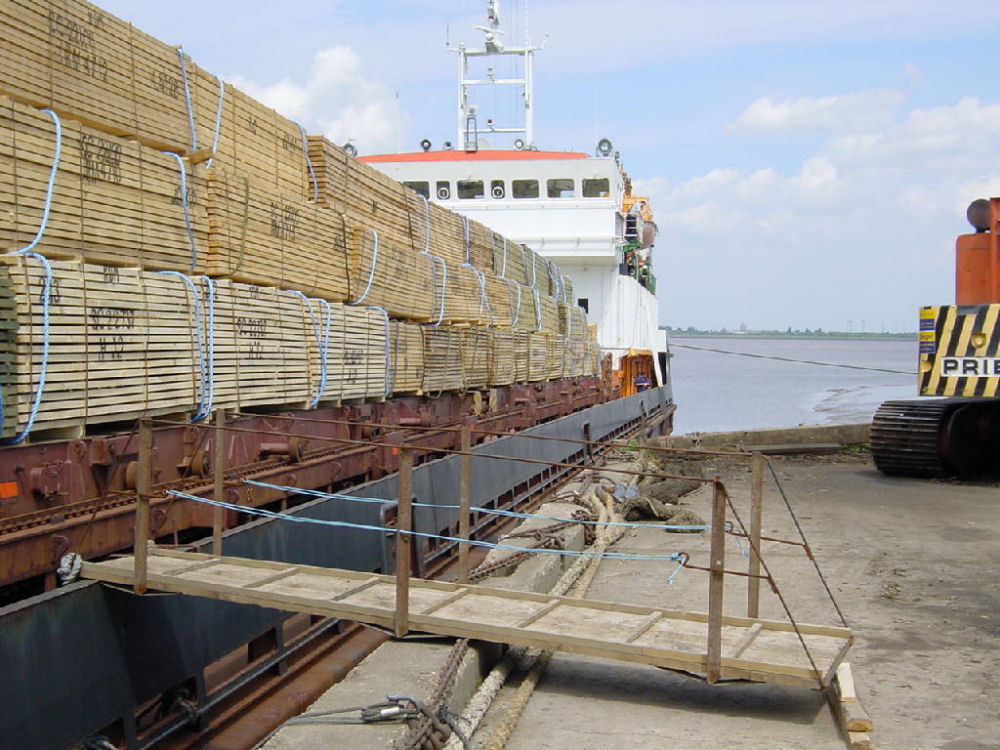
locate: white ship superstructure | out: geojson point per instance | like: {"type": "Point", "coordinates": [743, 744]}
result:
{"type": "Point", "coordinates": [573, 208]}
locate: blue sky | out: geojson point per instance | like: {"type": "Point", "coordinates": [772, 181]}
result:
{"type": "Point", "coordinates": [809, 163]}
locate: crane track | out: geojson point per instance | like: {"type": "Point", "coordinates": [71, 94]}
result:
{"type": "Point", "coordinates": [906, 437]}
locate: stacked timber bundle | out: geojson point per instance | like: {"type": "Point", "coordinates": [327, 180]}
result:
{"type": "Point", "coordinates": [479, 242]}
{"type": "Point", "coordinates": [522, 346]}
{"type": "Point", "coordinates": [548, 313]}
{"type": "Point", "coordinates": [502, 360]}
{"type": "Point", "coordinates": [202, 248]}
{"type": "Point", "coordinates": [555, 356]}
{"type": "Point", "coordinates": [537, 311]}
{"type": "Point", "coordinates": [573, 354]}
{"type": "Point", "coordinates": [529, 316]}
{"type": "Point", "coordinates": [119, 343]}
{"type": "Point", "coordinates": [367, 198]}
{"type": "Point", "coordinates": [406, 357]}
{"type": "Point", "coordinates": [560, 285]}
{"type": "Point", "coordinates": [442, 359]}
{"type": "Point", "coordinates": [390, 277]}
{"type": "Point", "coordinates": [358, 357]}
{"type": "Point", "coordinates": [538, 356]}
{"type": "Point", "coordinates": [476, 351]}
{"type": "Point", "coordinates": [572, 321]}
{"type": "Point", "coordinates": [510, 261]}
{"type": "Point", "coordinates": [465, 296]}
{"type": "Point", "coordinates": [592, 361]}
{"type": "Point", "coordinates": [437, 230]}
{"type": "Point", "coordinates": [122, 343]}
{"type": "Point", "coordinates": [262, 237]}
{"type": "Point", "coordinates": [78, 60]}
{"type": "Point", "coordinates": [235, 132]}
{"type": "Point", "coordinates": [262, 353]}
{"type": "Point", "coordinates": [113, 200]}
{"type": "Point", "coordinates": [501, 298]}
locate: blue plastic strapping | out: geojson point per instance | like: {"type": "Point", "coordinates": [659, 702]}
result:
{"type": "Point", "coordinates": [27, 251]}
{"type": "Point", "coordinates": [309, 164]}
{"type": "Point", "coordinates": [184, 206]}
{"type": "Point", "coordinates": [218, 122]}
{"type": "Point", "coordinates": [388, 363]}
{"type": "Point", "coordinates": [371, 273]}
{"type": "Point", "coordinates": [187, 97]}
{"type": "Point", "coordinates": [203, 397]}
{"type": "Point", "coordinates": [320, 347]}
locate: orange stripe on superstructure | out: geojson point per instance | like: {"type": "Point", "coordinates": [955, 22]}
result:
{"type": "Point", "coordinates": [482, 155]}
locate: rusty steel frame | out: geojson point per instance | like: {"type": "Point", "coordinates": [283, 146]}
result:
{"type": "Point", "coordinates": [427, 562]}
{"type": "Point", "coordinates": [79, 495]}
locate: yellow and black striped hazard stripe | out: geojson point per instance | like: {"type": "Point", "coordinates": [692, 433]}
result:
{"type": "Point", "coordinates": [960, 350]}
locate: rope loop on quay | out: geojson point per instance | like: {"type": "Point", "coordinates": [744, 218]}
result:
{"type": "Point", "coordinates": [489, 511]}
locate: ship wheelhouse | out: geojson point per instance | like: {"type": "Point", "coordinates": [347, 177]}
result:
{"type": "Point", "coordinates": [572, 208]}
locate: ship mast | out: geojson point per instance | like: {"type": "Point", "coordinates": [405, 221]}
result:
{"type": "Point", "coordinates": [468, 124]}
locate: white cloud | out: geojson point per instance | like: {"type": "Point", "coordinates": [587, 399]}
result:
{"type": "Point", "coordinates": [866, 224]}
{"type": "Point", "coordinates": [858, 111]}
{"type": "Point", "coordinates": [951, 139]}
{"type": "Point", "coordinates": [339, 100]}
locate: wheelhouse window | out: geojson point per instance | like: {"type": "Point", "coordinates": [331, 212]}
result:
{"type": "Point", "coordinates": [596, 188]}
{"type": "Point", "coordinates": [561, 187]}
{"type": "Point", "coordinates": [524, 188]}
{"type": "Point", "coordinates": [498, 189]}
{"type": "Point", "coordinates": [470, 189]}
{"type": "Point", "coordinates": [420, 188]}
{"type": "Point", "coordinates": [443, 190]}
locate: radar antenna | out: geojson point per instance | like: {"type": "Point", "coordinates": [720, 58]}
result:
{"type": "Point", "coordinates": [493, 46]}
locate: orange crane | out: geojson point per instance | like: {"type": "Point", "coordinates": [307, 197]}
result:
{"type": "Point", "coordinates": [957, 433]}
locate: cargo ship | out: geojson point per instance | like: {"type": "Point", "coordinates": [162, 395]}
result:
{"type": "Point", "coordinates": [281, 318]}
{"type": "Point", "coordinates": [576, 210]}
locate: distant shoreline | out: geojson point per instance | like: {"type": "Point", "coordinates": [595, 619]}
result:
{"type": "Point", "coordinates": [813, 336]}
